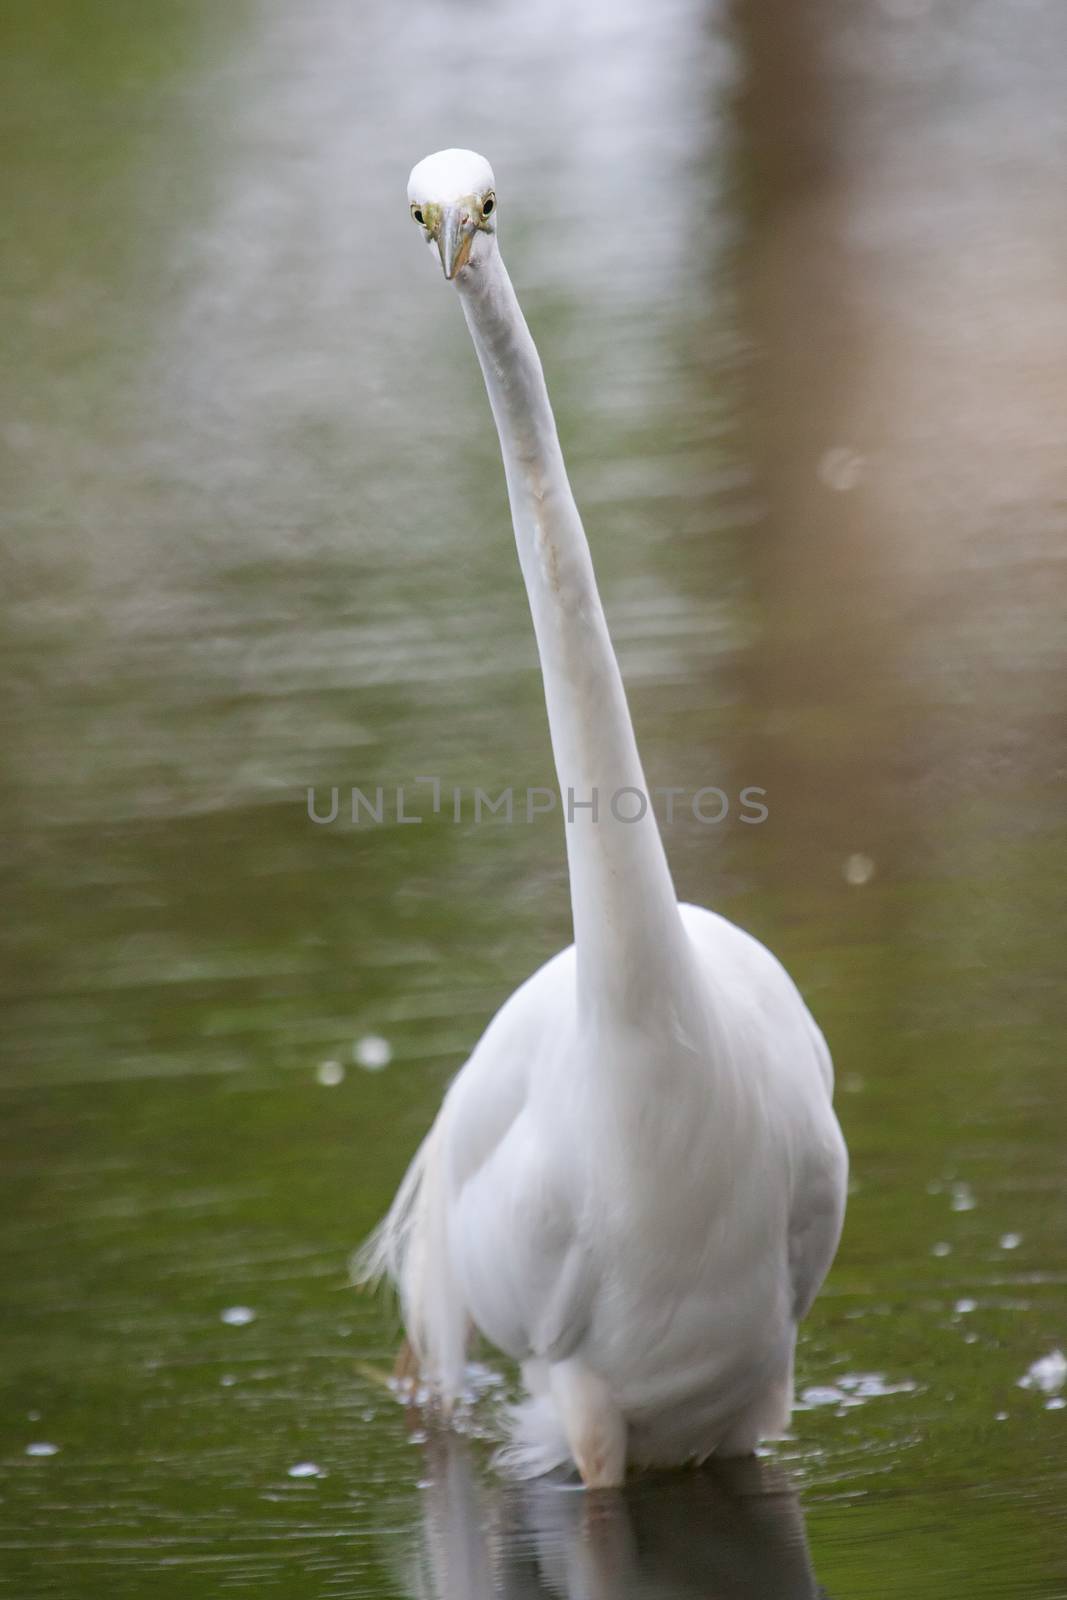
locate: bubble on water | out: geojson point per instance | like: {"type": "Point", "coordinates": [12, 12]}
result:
{"type": "Point", "coordinates": [1047, 1373]}
{"type": "Point", "coordinates": [482, 1379]}
{"type": "Point", "coordinates": [227, 1380]}
{"type": "Point", "coordinates": [372, 1052]}
{"type": "Point", "coordinates": [840, 468]}
{"type": "Point", "coordinates": [875, 1385]}
{"type": "Point", "coordinates": [1001, 1416]}
{"type": "Point", "coordinates": [237, 1316]}
{"type": "Point", "coordinates": [963, 1197]}
{"type": "Point", "coordinates": [1010, 1241]}
{"type": "Point", "coordinates": [858, 869]}
{"type": "Point", "coordinates": [965, 1307]}
{"type": "Point", "coordinates": [941, 1248]}
{"type": "Point", "coordinates": [1057, 1403]}
{"type": "Point", "coordinates": [329, 1074]}
{"type": "Point", "coordinates": [822, 1395]}
{"type": "Point", "coordinates": [33, 1416]}
{"type": "Point", "coordinates": [970, 1338]}
{"type": "Point", "coordinates": [41, 1447]}
{"type": "Point", "coordinates": [306, 1469]}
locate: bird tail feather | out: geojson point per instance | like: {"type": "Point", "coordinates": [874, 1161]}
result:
{"type": "Point", "coordinates": [384, 1253]}
{"type": "Point", "coordinates": [409, 1247]}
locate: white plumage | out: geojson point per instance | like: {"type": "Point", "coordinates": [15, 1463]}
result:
{"type": "Point", "coordinates": [636, 1184]}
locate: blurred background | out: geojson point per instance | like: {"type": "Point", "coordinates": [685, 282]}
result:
{"type": "Point", "coordinates": [797, 273]}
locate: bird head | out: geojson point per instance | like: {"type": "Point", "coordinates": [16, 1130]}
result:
{"type": "Point", "coordinates": [453, 200]}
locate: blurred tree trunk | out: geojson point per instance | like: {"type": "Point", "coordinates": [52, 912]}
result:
{"type": "Point", "coordinates": [902, 280]}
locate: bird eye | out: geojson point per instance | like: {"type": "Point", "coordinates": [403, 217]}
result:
{"type": "Point", "coordinates": [416, 212]}
{"type": "Point", "coordinates": [487, 204]}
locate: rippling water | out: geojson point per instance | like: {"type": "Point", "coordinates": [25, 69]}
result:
{"type": "Point", "coordinates": [797, 282]}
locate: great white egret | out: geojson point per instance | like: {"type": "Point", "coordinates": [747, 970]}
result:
{"type": "Point", "coordinates": [636, 1184]}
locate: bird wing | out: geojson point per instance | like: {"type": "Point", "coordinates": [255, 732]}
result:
{"type": "Point", "coordinates": [780, 1031]}
{"type": "Point", "coordinates": [514, 1202]}
{"type": "Point", "coordinates": [817, 1213]}
{"type": "Point", "coordinates": [516, 1244]}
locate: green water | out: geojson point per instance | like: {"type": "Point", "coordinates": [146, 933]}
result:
{"type": "Point", "coordinates": [256, 540]}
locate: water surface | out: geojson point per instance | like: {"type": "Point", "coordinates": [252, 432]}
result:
{"type": "Point", "coordinates": [797, 290]}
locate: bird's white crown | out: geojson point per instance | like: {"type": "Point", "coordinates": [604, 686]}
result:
{"type": "Point", "coordinates": [448, 176]}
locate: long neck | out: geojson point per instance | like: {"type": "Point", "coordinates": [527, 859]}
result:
{"type": "Point", "coordinates": [627, 929]}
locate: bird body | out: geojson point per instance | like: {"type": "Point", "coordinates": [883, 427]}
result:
{"type": "Point", "coordinates": [635, 1185]}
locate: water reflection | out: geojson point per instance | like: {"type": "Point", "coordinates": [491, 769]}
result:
{"type": "Point", "coordinates": [734, 1530]}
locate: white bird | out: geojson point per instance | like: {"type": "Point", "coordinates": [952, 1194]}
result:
{"type": "Point", "coordinates": [636, 1184]}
